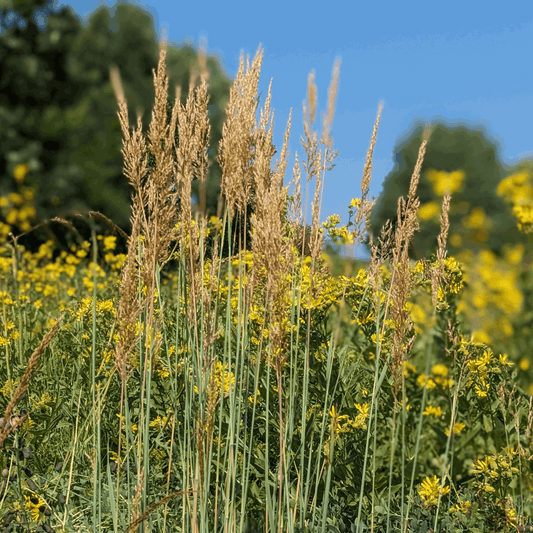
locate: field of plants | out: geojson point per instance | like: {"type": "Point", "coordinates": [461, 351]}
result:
{"type": "Point", "coordinates": [283, 390]}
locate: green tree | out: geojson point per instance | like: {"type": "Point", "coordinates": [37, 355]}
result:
{"type": "Point", "coordinates": [34, 78]}
{"type": "Point", "coordinates": [58, 111]}
{"type": "Point", "coordinates": [465, 160]}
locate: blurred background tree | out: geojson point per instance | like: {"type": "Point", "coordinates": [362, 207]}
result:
{"type": "Point", "coordinates": [35, 84]}
{"type": "Point", "coordinates": [467, 162]}
{"type": "Point", "coordinates": [58, 111]}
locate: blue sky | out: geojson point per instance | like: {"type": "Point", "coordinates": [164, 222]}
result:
{"type": "Point", "coordinates": [467, 62]}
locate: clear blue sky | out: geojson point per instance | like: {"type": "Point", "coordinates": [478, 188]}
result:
{"type": "Point", "coordinates": [464, 61]}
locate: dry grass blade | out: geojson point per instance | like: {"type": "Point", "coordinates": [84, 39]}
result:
{"type": "Point", "coordinates": [317, 232]}
{"type": "Point", "coordinates": [318, 163]}
{"type": "Point", "coordinates": [134, 168]}
{"type": "Point", "coordinates": [46, 226]}
{"type": "Point", "coordinates": [25, 381]}
{"type": "Point", "coordinates": [327, 120]}
{"type": "Point", "coordinates": [154, 506]}
{"type": "Point", "coordinates": [138, 495]}
{"type": "Point", "coordinates": [295, 213]}
{"type": "Point", "coordinates": [268, 221]}
{"type": "Point", "coordinates": [151, 213]}
{"type": "Point", "coordinates": [201, 72]}
{"type": "Point", "coordinates": [156, 229]}
{"type": "Point", "coordinates": [378, 255]}
{"type": "Point", "coordinates": [109, 222]}
{"type": "Point", "coordinates": [192, 152]}
{"type": "Point", "coordinates": [310, 143]}
{"type": "Point", "coordinates": [365, 207]}
{"type": "Point", "coordinates": [438, 273]}
{"type": "Point", "coordinates": [400, 285]}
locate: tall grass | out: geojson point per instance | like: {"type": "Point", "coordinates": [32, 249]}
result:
{"type": "Point", "coordinates": [261, 393]}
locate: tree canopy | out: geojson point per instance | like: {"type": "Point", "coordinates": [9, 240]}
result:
{"type": "Point", "coordinates": [463, 160]}
{"type": "Point", "coordinates": [58, 110]}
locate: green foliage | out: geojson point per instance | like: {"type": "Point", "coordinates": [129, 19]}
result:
{"type": "Point", "coordinates": [450, 149]}
{"type": "Point", "coordinates": [35, 82]}
{"type": "Point", "coordinates": [337, 397]}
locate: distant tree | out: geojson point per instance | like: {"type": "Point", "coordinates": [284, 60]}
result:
{"type": "Point", "coordinates": [463, 159]}
{"type": "Point", "coordinates": [59, 113]}
{"type": "Point", "coordinates": [34, 81]}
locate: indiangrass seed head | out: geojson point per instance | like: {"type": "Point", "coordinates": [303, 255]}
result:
{"type": "Point", "coordinates": [268, 222]}
{"type": "Point", "coordinates": [400, 285]}
{"type": "Point", "coordinates": [438, 273]}
{"type": "Point", "coordinates": [295, 213]}
{"type": "Point", "coordinates": [236, 145]}
{"type": "Point", "coordinates": [365, 207]}
{"type": "Point", "coordinates": [327, 120]}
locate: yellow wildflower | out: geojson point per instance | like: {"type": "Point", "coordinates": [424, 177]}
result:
{"type": "Point", "coordinates": [440, 370]}
{"type": "Point", "coordinates": [431, 410]}
{"type": "Point", "coordinates": [457, 428]}
{"type": "Point", "coordinates": [424, 381]}
{"type": "Point", "coordinates": [430, 489]}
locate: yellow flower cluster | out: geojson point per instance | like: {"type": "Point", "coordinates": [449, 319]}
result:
{"type": "Point", "coordinates": [18, 208]}
{"type": "Point", "coordinates": [453, 281]}
{"type": "Point", "coordinates": [431, 490]}
{"type": "Point", "coordinates": [359, 422]}
{"type": "Point", "coordinates": [337, 234]}
{"type": "Point", "coordinates": [445, 181]}
{"type": "Point", "coordinates": [494, 468]}
{"type": "Point", "coordinates": [481, 368]}
{"type": "Point", "coordinates": [517, 190]}
{"type": "Point", "coordinates": [462, 506]}
{"type": "Point", "coordinates": [342, 235]}
{"type": "Point", "coordinates": [439, 376]}
{"type": "Point", "coordinates": [429, 211]}
{"type": "Point", "coordinates": [222, 379]}
{"type": "Point", "coordinates": [430, 410]}
{"type": "Point", "coordinates": [343, 424]}
{"type": "Point", "coordinates": [457, 428]}
{"type": "Point", "coordinates": [524, 215]}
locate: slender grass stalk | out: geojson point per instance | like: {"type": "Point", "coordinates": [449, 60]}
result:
{"type": "Point", "coordinates": [418, 434]}
{"type": "Point", "coordinates": [445, 466]}
{"type": "Point", "coordinates": [96, 408]}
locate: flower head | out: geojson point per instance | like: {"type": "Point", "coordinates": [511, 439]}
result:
{"type": "Point", "coordinates": [430, 489]}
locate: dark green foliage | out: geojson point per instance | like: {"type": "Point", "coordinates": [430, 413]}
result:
{"type": "Point", "coordinates": [34, 85]}
{"type": "Point", "coordinates": [450, 148]}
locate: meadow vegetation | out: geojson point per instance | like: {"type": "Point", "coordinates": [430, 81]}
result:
{"type": "Point", "coordinates": [274, 392]}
